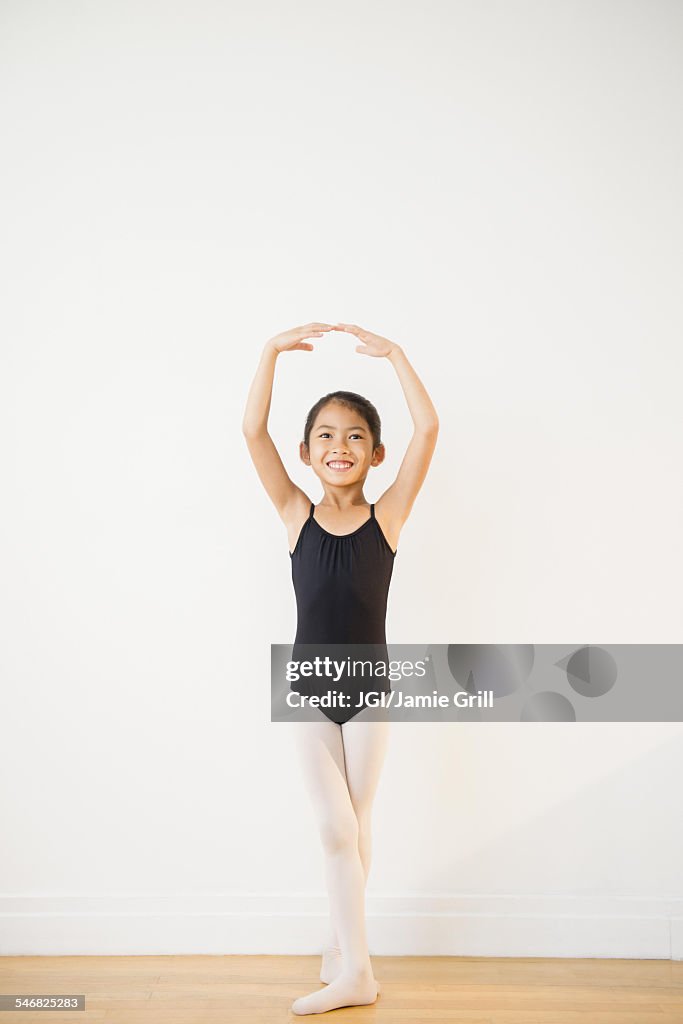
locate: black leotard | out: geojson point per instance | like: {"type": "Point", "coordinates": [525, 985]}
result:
{"type": "Point", "coordinates": [341, 584]}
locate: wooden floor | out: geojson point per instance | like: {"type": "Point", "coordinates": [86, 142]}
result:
{"type": "Point", "coordinates": [261, 989]}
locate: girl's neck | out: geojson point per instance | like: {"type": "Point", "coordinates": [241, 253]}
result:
{"type": "Point", "coordinates": [341, 500]}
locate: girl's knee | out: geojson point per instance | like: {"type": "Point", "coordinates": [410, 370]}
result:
{"type": "Point", "coordinates": [363, 818]}
{"type": "Point", "coordinates": [339, 835]}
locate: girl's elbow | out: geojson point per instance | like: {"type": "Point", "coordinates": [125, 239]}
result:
{"type": "Point", "coordinates": [251, 429]}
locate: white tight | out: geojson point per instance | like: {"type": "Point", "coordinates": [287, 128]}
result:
{"type": "Point", "coordinates": [341, 765]}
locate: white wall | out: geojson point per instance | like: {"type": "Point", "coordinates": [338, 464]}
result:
{"type": "Point", "coordinates": [496, 186]}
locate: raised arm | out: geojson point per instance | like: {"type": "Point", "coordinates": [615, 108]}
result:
{"type": "Point", "coordinates": [395, 504]}
{"type": "Point", "coordinates": [280, 488]}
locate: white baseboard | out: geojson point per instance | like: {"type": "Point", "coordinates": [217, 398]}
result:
{"type": "Point", "coordinates": [296, 924]}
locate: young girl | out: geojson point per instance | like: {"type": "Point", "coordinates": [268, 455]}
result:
{"type": "Point", "coordinates": [342, 553]}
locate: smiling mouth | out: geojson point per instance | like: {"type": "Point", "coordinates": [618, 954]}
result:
{"type": "Point", "coordinates": [340, 465]}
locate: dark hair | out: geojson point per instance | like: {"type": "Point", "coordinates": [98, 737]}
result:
{"type": "Point", "coordinates": [351, 400]}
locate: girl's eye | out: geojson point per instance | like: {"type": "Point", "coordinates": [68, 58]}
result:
{"type": "Point", "coordinates": [325, 434]}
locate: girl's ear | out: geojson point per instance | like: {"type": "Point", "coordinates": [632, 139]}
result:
{"type": "Point", "coordinates": [378, 455]}
{"type": "Point", "coordinates": [304, 454]}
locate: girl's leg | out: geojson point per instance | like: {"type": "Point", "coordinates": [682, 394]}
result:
{"type": "Point", "coordinates": [321, 756]}
{"type": "Point", "coordinates": [364, 747]}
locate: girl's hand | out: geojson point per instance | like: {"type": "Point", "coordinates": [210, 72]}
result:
{"type": "Point", "coordinates": [373, 344]}
{"type": "Point", "coordinates": [290, 341]}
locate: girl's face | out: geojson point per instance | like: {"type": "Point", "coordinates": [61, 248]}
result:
{"type": "Point", "coordinates": [340, 446]}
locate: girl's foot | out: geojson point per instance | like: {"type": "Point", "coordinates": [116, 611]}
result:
{"type": "Point", "coordinates": [332, 965]}
{"type": "Point", "coordinates": [346, 990]}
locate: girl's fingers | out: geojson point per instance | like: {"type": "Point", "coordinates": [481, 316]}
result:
{"type": "Point", "coordinates": [313, 329]}
{"type": "Point", "coordinates": [354, 329]}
